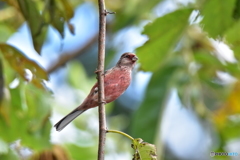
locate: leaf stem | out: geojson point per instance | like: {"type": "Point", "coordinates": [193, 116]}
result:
{"type": "Point", "coordinates": [122, 133]}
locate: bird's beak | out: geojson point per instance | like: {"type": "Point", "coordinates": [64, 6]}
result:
{"type": "Point", "coordinates": [135, 58]}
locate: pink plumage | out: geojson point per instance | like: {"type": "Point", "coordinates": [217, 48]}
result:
{"type": "Point", "coordinates": [116, 81]}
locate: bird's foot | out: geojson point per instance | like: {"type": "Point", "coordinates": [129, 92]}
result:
{"type": "Point", "coordinates": [103, 102]}
{"type": "Point", "coordinates": [97, 71]}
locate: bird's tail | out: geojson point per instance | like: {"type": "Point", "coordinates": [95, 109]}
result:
{"type": "Point", "coordinates": [67, 119]}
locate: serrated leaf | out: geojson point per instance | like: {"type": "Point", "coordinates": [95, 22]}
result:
{"type": "Point", "coordinates": [163, 35]}
{"type": "Point", "coordinates": [19, 62]}
{"type": "Point", "coordinates": [145, 119]}
{"type": "Point", "coordinates": [217, 16]}
{"type": "Point", "coordinates": [35, 22]}
{"type": "Point", "coordinates": [143, 150]}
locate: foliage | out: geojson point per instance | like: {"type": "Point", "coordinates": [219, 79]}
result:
{"type": "Point", "coordinates": [190, 62]}
{"type": "Point", "coordinates": [180, 53]}
{"type": "Point", "coordinates": [144, 150]}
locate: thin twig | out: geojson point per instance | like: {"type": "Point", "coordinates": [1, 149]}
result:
{"type": "Point", "coordinates": [65, 57]}
{"type": "Point", "coordinates": [100, 71]}
{"type": "Point", "coordinates": [122, 133]}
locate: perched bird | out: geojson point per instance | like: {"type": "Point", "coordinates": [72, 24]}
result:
{"type": "Point", "coordinates": [116, 81]}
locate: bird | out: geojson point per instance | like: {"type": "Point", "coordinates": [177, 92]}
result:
{"type": "Point", "coordinates": [116, 81]}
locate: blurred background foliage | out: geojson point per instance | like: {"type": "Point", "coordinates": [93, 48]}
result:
{"type": "Point", "coordinates": [188, 60]}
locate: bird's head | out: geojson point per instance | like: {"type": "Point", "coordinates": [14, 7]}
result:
{"type": "Point", "coordinates": [127, 59]}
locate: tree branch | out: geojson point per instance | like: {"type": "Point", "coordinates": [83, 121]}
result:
{"type": "Point", "coordinates": [65, 57]}
{"type": "Point", "coordinates": [100, 72]}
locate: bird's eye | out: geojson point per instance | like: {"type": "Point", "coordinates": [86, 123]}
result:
{"type": "Point", "coordinates": [127, 56]}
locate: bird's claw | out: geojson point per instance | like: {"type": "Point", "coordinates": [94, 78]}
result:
{"type": "Point", "coordinates": [108, 12]}
{"type": "Point", "coordinates": [97, 71]}
{"type": "Point", "coordinates": [103, 102]}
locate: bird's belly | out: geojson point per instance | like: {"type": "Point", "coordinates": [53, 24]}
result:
{"type": "Point", "coordinates": [113, 91]}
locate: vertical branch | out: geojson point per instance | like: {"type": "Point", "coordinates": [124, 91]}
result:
{"type": "Point", "coordinates": [100, 72]}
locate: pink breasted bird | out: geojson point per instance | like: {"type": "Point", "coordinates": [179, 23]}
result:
{"type": "Point", "coordinates": [116, 81]}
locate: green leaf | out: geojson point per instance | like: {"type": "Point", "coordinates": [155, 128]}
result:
{"type": "Point", "coordinates": [143, 150]}
{"type": "Point", "coordinates": [145, 120]}
{"type": "Point", "coordinates": [56, 17]}
{"type": "Point", "coordinates": [35, 22]}
{"type": "Point", "coordinates": [3, 147]}
{"type": "Point", "coordinates": [233, 39]}
{"type": "Point", "coordinates": [67, 8]}
{"type": "Point", "coordinates": [11, 155]}
{"type": "Point", "coordinates": [19, 62]}
{"type": "Point", "coordinates": [5, 32]}
{"type": "Point", "coordinates": [236, 13]}
{"type": "Point", "coordinates": [163, 35]}
{"type": "Point", "coordinates": [25, 121]}
{"type": "Point", "coordinates": [38, 125]}
{"type": "Point", "coordinates": [217, 16]}
{"type": "Point", "coordinates": [59, 12]}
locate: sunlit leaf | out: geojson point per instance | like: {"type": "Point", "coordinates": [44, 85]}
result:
{"type": "Point", "coordinates": [232, 106]}
{"type": "Point", "coordinates": [226, 118]}
{"type": "Point", "coordinates": [19, 62]}
{"type": "Point", "coordinates": [163, 35]}
{"type": "Point", "coordinates": [217, 16]}
{"type": "Point", "coordinates": [25, 121]}
{"type": "Point", "coordinates": [69, 12]}
{"type": "Point", "coordinates": [233, 39]}
{"type": "Point", "coordinates": [143, 150]}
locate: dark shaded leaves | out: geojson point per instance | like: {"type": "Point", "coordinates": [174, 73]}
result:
{"type": "Point", "coordinates": [60, 12]}
{"type": "Point", "coordinates": [35, 22]}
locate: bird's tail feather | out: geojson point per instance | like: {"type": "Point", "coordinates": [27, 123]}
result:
{"type": "Point", "coordinates": [67, 119]}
